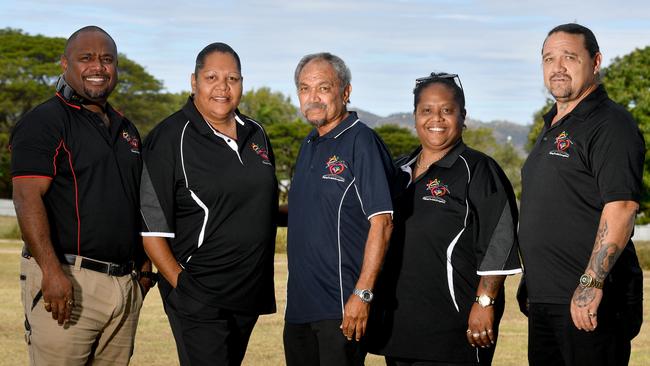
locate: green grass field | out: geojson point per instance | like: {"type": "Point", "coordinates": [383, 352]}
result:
{"type": "Point", "coordinates": [155, 346]}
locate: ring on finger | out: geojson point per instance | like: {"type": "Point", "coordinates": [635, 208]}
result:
{"type": "Point", "coordinates": [484, 332]}
{"type": "Point", "coordinates": [475, 335]}
{"type": "Point", "coordinates": [592, 315]}
{"type": "Point", "coordinates": [468, 331]}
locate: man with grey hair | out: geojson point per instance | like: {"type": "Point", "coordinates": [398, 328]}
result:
{"type": "Point", "coordinates": [340, 221]}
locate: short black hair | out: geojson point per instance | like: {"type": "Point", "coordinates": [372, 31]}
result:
{"type": "Point", "coordinates": [211, 48]}
{"type": "Point", "coordinates": [88, 28]}
{"type": "Point", "coordinates": [459, 95]}
{"type": "Point", "coordinates": [591, 44]}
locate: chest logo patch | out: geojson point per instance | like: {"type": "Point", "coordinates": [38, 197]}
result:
{"type": "Point", "coordinates": [261, 152]}
{"type": "Point", "coordinates": [562, 144]}
{"type": "Point", "coordinates": [335, 166]}
{"type": "Point", "coordinates": [438, 190]}
{"type": "Point", "coordinates": [134, 142]}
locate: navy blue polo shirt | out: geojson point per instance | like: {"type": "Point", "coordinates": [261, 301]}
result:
{"type": "Point", "coordinates": [341, 180]}
{"type": "Point", "coordinates": [93, 199]}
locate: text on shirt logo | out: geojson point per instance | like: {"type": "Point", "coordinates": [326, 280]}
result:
{"type": "Point", "coordinates": [562, 144]}
{"type": "Point", "coordinates": [335, 166]}
{"type": "Point", "coordinates": [262, 153]}
{"type": "Point", "coordinates": [437, 190]}
{"type": "Point", "coordinates": [134, 142]}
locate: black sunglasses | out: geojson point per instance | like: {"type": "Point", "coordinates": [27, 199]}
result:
{"type": "Point", "coordinates": [439, 76]}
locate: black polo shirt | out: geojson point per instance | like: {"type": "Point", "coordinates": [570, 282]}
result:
{"type": "Point", "coordinates": [341, 180]}
{"type": "Point", "coordinates": [453, 224]}
{"type": "Point", "coordinates": [592, 156]}
{"type": "Point", "coordinates": [215, 200]}
{"type": "Point", "coordinates": [92, 202]}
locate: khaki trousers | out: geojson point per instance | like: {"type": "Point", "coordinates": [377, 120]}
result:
{"type": "Point", "coordinates": [102, 327]}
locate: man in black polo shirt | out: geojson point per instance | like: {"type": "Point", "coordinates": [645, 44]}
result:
{"type": "Point", "coordinates": [580, 194]}
{"type": "Point", "coordinates": [76, 170]}
{"type": "Point", "coordinates": [339, 221]}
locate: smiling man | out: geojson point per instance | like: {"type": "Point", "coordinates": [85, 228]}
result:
{"type": "Point", "coordinates": [339, 221]}
{"type": "Point", "coordinates": [76, 171]}
{"type": "Point", "coordinates": [581, 185]}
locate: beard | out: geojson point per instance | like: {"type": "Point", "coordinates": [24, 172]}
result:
{"type": "Point", "coordinates": [316, 122]}
{"type": "Point", "coordinates": [97, 94]}
{"type": "Point", "coordinates": [562, 90]}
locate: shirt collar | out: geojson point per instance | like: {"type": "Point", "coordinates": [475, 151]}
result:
{"type": "Point", "coordinates": [583, 109]}
{"type": "Point", "coordinates": [337, 131]}
{"type": "Point", "coordinates": [199, 122]}
{"type": "Point", "coordinates": [446, 162]}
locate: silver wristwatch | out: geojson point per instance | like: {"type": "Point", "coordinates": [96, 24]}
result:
{"type": "Point", "coordinates": [365, 295]}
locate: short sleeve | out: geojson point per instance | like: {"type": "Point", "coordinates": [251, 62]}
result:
{"type": "Point", "coordinates": [35, 142]}
{"type": "Point", "coordinates": [157, 186]}
{"type": "Point", "coordinates": [373, 172]}
{"type": "Point", "coordinates": [616, 153]}
{"type": "Point", "coordinates": [493, 203]}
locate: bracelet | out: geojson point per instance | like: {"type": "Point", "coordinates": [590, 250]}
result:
{"type": "Point", "coordinates": [153, 276]}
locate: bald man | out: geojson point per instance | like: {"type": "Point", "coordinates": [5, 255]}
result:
{"type": "Point", "coordinates": [76, 169]}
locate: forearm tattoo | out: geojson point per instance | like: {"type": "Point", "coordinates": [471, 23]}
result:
{"type": "Point", "coordinates": [602, 260]}
{"type": "Point", "coordinates": [492, 284]}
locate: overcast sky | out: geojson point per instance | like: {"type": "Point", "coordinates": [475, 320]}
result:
{"type": "Point", "coordinates": [493, 45]}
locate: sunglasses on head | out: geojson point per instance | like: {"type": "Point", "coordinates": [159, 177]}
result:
{"type": "Point", "coordinates": [439, 76]}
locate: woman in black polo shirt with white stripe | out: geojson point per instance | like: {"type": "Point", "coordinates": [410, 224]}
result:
{"type": "Point", "coordinates": [440, 296]}
{"type": "Point", "coordinates": [209, 205]}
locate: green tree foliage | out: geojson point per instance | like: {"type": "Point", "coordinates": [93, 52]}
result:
{"type": "Point", "coordinates": [627, 81]}
{"type": "Point", "coordinates": [400, 140]}
{"type": "Point", "coordinates": [538, 123]}
{"type": "Point", "coordinates": [283, 125]}
{"type": "Point", "coordinates": [29, 68]}
{"type": "Point", "coordinates": [267, 107]}
{"type": "Point", "coordinates": [506, 155]}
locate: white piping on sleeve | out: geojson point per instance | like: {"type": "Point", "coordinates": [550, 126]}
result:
{"type": "Point", "coordinates": [158, 234]}
{"type": "Point", "coordinates": [381, 213]}
{"type": "Point", "coordinates": [506, 272]}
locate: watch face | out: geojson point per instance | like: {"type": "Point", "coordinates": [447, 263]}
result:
{"type": "Point", "coordinates": [585, 280]}
{"type": "Point", "coordinates": [484, 301]}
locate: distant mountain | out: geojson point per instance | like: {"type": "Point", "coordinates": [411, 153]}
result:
{"type": "Point", "coordinates": [502, 130]}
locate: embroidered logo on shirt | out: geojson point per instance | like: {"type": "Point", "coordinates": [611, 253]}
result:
{"type": "Point", "coordinates": [562, 144]}
{"type": "Point", "coordinates": [438, 190]}
{"type": "Point", "coordinates": [134, 142]}
{"type": "Point", "coordinates": [262, 153]}
{"type": "Point", "coordinates": [335, 166]}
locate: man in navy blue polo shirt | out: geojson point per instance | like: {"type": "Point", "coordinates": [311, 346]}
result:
{"type": "Point", "coordinates": [581, 187]}
{"type": "Point", "coordinates": [340, 220]}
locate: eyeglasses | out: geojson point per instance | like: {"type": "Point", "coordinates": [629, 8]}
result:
{"type": "Point", "coordinates": [439, 76]}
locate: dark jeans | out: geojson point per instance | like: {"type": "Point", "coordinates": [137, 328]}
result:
{"type": "Point", "coordinates": [553, 339]}
{"type": "Point", "coordinates": [320, 343]}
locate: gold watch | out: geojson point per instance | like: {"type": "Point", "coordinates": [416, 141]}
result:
{"type": "Point", "coordinates": [588, 281]}
{"type": "Point", "coordinates": [484, 300]}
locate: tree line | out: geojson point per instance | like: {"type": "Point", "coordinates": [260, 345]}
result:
{"type": "Point", "coordinates": [29, 68]}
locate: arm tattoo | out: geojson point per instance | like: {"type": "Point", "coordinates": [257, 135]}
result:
{"type": "Point", "coordinates": [584, 296]}
{"type": "Point", "coordinates": [492, 283]}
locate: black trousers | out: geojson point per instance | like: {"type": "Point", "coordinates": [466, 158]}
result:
{"type": "Point", "coordinates": [393, 361]}
{"type": "Point", "coordinates": [553, 339]}
{"type": "Point", "coordinates": [320, 343]}
{"type": "Point", "coordinates": [210, 336]}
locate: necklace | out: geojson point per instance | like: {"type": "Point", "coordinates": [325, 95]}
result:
{"type": "Point", "coordinates": [417, 163]}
